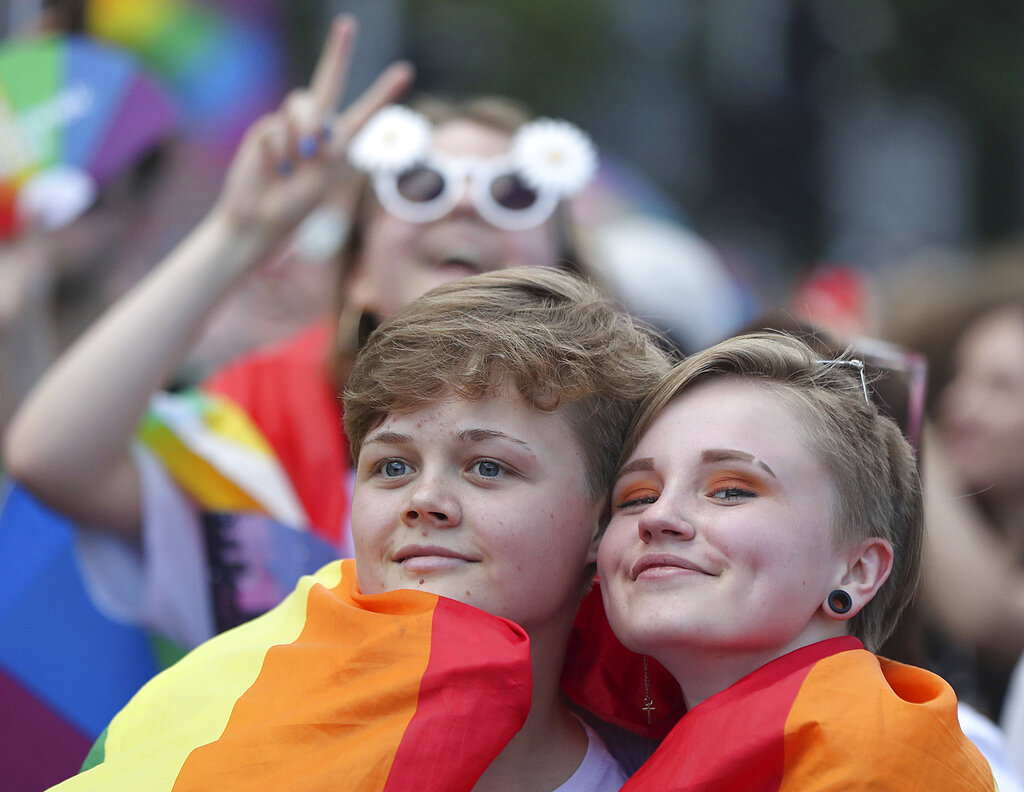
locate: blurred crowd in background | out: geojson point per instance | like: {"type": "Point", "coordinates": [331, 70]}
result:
{"type": "Point", "coordinates": [855, 167]}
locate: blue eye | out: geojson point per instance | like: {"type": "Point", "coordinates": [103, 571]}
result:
{"type": "Point", "coordinates": [487, 468]}
{"type": "Point", "coordinates": [394, 468]}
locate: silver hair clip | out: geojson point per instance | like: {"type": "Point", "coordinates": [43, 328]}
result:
{"type": "Point", "coordinates": [852, 363]}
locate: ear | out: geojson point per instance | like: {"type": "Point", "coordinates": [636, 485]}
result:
{"type": "Point", "coordinates": [868, 567]}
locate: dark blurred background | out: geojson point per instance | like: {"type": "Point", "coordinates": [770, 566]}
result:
{"type": "Point", "coordinates": [787, 132]}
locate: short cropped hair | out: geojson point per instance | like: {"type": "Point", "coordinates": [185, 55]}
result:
{"type": "Point", "coordinates": [876, 485]}
{"type": "Point", "coordinates": [552, 336]}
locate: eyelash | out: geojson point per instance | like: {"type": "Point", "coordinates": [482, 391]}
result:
{"type": "Point", "coordinates": [379, 467]}
{"type": "Point", "coordinates": [646, 500]}
{"type": "Point", "coordinates": [731, 493]}
{"type": "Point", "coordinates": [503, 469]}
{"type": "Point", "coordinates": [640, 500]}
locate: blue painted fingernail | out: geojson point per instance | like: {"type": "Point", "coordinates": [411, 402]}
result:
{"type": "Point", "coordinates": [307, 147]}
{"type": "Point", "coordinates": [325, 131]}
{"type": "Point", "coordinates": [284, 168]}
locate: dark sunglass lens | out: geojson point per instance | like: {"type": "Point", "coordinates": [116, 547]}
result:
{"type": "Point", "coordinates": [420, 184]}
{"type": "Point", "coordinates": [510, 192]}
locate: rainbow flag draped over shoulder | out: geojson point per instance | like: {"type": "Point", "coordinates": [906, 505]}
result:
{"type": "Point", "coordinates": [829, 716]}
{"type": "Point", "coordinates": [331, 690]}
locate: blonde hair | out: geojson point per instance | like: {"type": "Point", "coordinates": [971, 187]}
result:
{"type": "Point", "coordinates": [876, 486]}
{"type": "Point", "coordinates": [553, 337]}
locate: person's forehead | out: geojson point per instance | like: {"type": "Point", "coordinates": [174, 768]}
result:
{"type": "Point", "coordinates": [464, 138]}
{"type": "Point", "coordinates": [732, 412]}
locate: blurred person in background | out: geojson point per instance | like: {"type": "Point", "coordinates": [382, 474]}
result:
{"type": "Point", "coordinates": [219, 489]}
{"type": "Point", "coordinates": [833, 306]}
{"type": "Point", "coordinates": [86, 143]}
{"type": "Point", "coordinates": [970, 325]}
{"type": "Point", "coordinates": [55, 282]}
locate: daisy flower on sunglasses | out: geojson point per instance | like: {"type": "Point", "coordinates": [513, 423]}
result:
{"type": "Point", "coordinates": [392, 140]}
{"type": "Point", "coordinates": [554, 155]}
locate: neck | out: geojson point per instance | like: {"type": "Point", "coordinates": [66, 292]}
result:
{"type": "Point", "coordinates": [551, 745]}
{"type": "Point", "coordinates": [704, 671]}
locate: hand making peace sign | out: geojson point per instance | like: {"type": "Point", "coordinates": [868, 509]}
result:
{"type": "Point", "coordinates": [288, 158]}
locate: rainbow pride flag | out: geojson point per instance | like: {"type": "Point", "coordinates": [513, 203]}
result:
{"type": "Point", "coordinates": [829, 716]}
{"type": "Point", "coordinates": [66, 667]}
{"type": "Point", "coordinates": [332, 689]}
{"type": "Point", "coordinates": [212, 448]}
{"type": "Point", "coordinates": [74, 115]}
{"type": "Point", "coordinates": [67, 664]}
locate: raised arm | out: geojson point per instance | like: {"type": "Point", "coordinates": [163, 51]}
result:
{"type": "Point", "coordinates": [971, 587]}
{"type": "Point", "coordinates": [70, 441]}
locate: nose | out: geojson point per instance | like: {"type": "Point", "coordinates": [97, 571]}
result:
{"type": "Point", "coordinates": [465, 204]}
{"type": "Point", "coordinates": [664, 519]}
{"type": "Point", "coordinates": [431, 504]}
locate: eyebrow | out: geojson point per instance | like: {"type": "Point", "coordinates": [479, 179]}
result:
{"type": "Point", "coordinates": [391, 438]}
{"type": "Point", "coordinates": [466, 435]}
{"type": "Point", "coordinates": [729, 455]}
{"type": "Point", "coordinates": [476, 435]}
{"type": "Point", "coordinates": [643, 463]}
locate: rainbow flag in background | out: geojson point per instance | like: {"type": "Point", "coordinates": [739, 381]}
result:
{"type": "Point", "coordinates": [65, 667]}
{"type": "Point", "coordinates": [225, 62]}
{"type": "Point", "coordinates": [828, 716]}
{"type": "Point", "coordinates": [73, 112]}
{"type": "Point", "coordinates": [331, 690]}
{"type": "Point", "coordinates": [212, 448]}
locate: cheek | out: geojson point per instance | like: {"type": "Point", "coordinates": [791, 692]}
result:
{"type": "Point", "coordinates": [368, 519]}
{"type": "Point", "coordinates": [613, 545]}
{"type": "Point", "coordinates": [387, 240]}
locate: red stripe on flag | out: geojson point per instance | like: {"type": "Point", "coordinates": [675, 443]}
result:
{"type": "Point", "coordinates": [474, 697]}
{"type": "Point", "coordinates": [736, 739]}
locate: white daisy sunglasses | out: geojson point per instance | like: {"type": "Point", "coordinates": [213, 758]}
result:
{"type": "Point", "coordinates": [549, 160]}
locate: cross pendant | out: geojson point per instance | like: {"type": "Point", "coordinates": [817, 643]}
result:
{"type": "Point", "coordinates": [648, 707]}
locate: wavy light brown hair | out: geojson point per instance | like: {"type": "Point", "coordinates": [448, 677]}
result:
{"type": "Point", "coordinates": [554, 338]}
{"type": "Point", "coordinates": [876, 489]}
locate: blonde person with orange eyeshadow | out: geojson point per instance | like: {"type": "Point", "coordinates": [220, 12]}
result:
{"type": "Point", "coordinates": [765, 535]}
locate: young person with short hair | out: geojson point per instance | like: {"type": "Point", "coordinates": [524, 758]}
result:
{"type": "Point", "coordinates": [485, 420]}
{"type": "Point", "coordinates": [765, 535]}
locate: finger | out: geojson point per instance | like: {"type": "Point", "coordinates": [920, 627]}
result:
{"type": "Point", "coordinates": [305, 122]}
{"type": "Point", "coordinates": [331, 73]}
{"type": "Point", "coordinates": [387, 88]}
{"type": "Point", "coordinates": [275, 144]}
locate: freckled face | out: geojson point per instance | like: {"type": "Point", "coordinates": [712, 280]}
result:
{"type": "Point", "coordinates": [483, 502]}
{"type": "Point", "coordinates": [720, 536]}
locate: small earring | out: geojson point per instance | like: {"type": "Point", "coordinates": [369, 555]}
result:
{"type": "Point", "coordinates": [839, 601]}
{"type": "Point", "coordinates": [647, 705]}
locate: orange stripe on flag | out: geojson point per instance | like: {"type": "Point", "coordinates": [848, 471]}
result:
{"type": "Point", "coordinates": [329, 710]}
{"type": "Point", "coordinates": [868, 723]}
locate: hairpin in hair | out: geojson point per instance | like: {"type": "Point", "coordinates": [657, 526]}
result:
{"type": "Point", "coordinates": [855, 364]}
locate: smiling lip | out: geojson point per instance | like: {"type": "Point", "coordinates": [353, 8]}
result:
{"type": "Point", "coordinates": [429, 558]}
{"type": "Point", "coordinates": [662, 564]}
